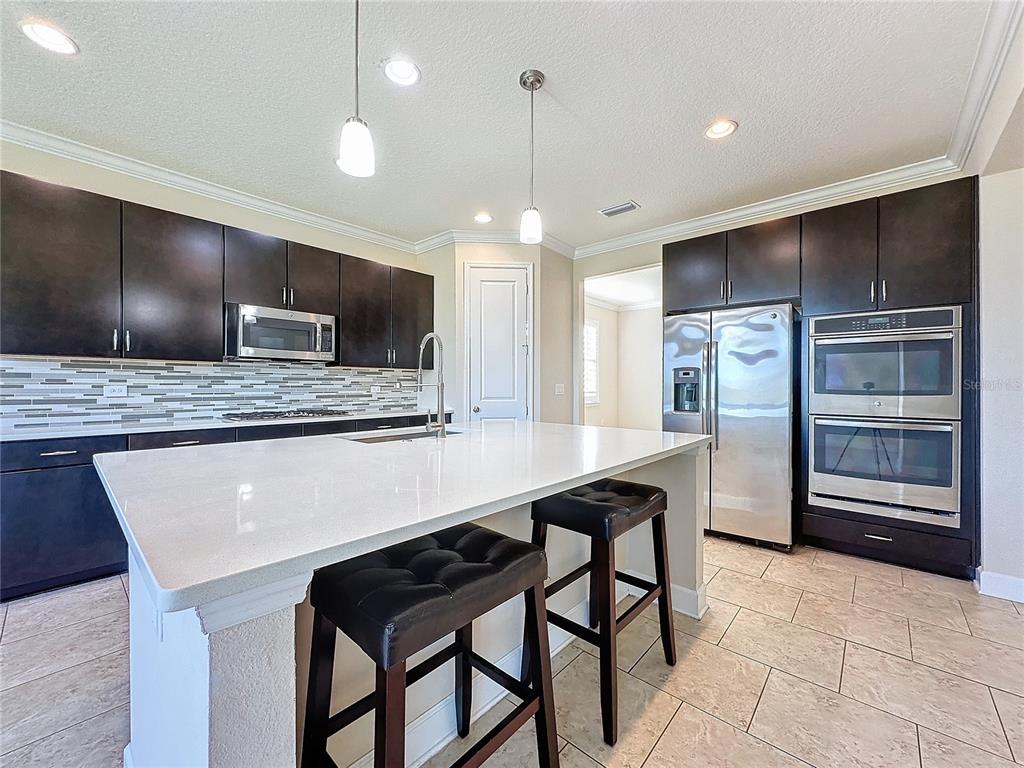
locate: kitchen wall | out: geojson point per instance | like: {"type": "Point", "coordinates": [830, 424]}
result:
{"type": "Point", "coordinates": [1002, 383]}
{"type": "Point", "coordinates": [605, 412]}
{"type": "Point", "coordinates": [640, 334]}
{"type": "Point", "coordinates": [40, 392]}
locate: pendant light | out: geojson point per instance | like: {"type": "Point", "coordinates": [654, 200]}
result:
{"type": "Point", "coordinates": [355, 152]}
{"type": "Point", "coordinates": [531, 229]}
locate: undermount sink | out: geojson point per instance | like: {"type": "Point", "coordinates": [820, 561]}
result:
{"type": "Point", "coordinates": [396, 438]}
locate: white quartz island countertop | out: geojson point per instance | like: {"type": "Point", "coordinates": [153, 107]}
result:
{"type": "Point", "coordinates": [210, 521]}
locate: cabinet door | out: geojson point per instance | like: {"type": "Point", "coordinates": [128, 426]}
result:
{"type": "Point", "coordinates": [839, 258]}
{"type": "Point", "coordinates": [412, 317]}
{"type": "Point", "coordinates": [764, 261]}
{"type": "Point", "coordinates": [173, 285]}
{"type": "Point", "coordinates": [57, 528]}
{"type": "Point", "coordinates": [693, 273]}
{"type": "Point", "coordinates": [61, 255]}
{"type": "Point", "coordinates": [926, 242]}
{"type": "Point", "coordinates": [144, 441]}
{"type": "Point", "coordinates": [255, 268]}
{"type": "Point", "coordinates": [365, 335]}
{"type": "Point", "coordinates": [313, 279]}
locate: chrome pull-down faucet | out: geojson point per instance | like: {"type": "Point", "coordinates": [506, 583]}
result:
{"type": "Point", "coordinates": [439, 426]}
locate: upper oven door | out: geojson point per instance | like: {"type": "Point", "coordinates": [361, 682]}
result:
{"type": "Point", "coordinates": [278, 334]}
{"type": "Point", "coordinates": [905, 463]}
{"type": "Point", "coordinates": [908, 375]}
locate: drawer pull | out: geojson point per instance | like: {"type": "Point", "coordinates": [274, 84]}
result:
{"type": "Point", "coordinates": [383, 426]}
{"type": "Point", "coordinates": [184, 442]}
{"type": "Point", "coordinates": [877, 538]}
{"type": "Point", "coordinates": [59, 453]}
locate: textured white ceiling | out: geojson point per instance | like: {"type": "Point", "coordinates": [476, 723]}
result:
{"type": "Point", "coordinates": [626, 289]}
{"type": "Point", "coordinates": [252, 95]}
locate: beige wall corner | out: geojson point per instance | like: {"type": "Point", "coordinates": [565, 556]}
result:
{"type": "Point", "coordinates": [553, 340]}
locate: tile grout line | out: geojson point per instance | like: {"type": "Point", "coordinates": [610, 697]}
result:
{"type": "Point", "coordinates": [60, 671]}
{"type": "Point", "coordinates": [661, 735]}
{"type": "Point", "coordinates": [64, 627]}
{"type": "Point", "coordinates": [65, 728]}
{"type": "Point", "coordinates": [920, 754]}
{"type": "Point", "coordinates": [999, 717]}
{"type": "Point", "coordinates": [757, 704]}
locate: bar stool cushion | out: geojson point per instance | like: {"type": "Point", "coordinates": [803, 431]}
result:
{"type": "Point", "coordinates": [400, 599]}
{"type": "Point", "coordinates": [604, 509]}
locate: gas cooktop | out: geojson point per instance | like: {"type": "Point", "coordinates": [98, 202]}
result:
{"type": "Point", "coordinates": [298, 413]}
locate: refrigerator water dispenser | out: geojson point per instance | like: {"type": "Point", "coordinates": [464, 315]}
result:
{"type": "Point", "coordinates": [686, 397]}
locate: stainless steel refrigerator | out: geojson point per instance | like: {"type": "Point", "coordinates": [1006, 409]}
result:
{"type": "Point", "coordinates": [729, 374]}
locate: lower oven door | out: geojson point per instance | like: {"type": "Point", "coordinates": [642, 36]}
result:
{"type": "Point", "coordinates": [899, 469]}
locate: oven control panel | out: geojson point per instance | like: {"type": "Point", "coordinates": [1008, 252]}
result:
{"type": "Point", "coordinates": [887, 322]}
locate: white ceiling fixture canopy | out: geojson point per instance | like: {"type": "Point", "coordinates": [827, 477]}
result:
{"type": "Point", "coordinates": [531, 228]}
{"type": "Point", "coordinates": [355, 150]}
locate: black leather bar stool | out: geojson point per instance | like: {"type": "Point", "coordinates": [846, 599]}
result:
{"type": "Point", "coordinates": [604, 510]}
{"type": "Point", "coordinates": [401, 599]}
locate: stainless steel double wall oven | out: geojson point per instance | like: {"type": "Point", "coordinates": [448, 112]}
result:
{"type": "Point", "coordinates": [885, 414]}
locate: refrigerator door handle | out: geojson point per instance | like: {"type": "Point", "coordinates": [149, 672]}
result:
{"type": "Point", "coordinates": [705, 406]}
{"type": "Point", "coordinates": [713, 395]}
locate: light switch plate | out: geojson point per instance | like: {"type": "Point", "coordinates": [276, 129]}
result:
{"type": "Point", "coordinates": [115, 390]}
{"type": "Point", "coordinates": [559, 389]}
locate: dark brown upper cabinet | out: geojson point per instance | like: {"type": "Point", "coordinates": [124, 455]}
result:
{"type": "Point", "coordinates": [385, 312]}
{"type": "Point", "coordinates": [60, 255]}
{"type": "Point", "coordinates": [412, 317]}
{"type": "Point", "coordinates": [694, 273]}
{"type": "Point", "coordinates": [365, 335]}
{"type": "Point", "coordinates": [926, 245]}
{"type": "Point", "coordinates": [173, 285]}
{"type": "Point", "coordinates": [255, 268]}
{"type": "Point", "coordinates": [313, 275]}
{"type": "Point", "coordinates": [839, 254]}
{"type": "Point", "coordinates": [764, 261]}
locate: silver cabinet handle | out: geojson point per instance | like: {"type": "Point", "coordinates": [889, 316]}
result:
{"type": "Point", "coordinates": [58, 453]}
{"type": "Point", "coordinates": [383, 426]}
{"type": "Point", "coordinates": [184, 442]}
{"type": "Point", "coordinates": [284, 295]}
{"type": "Point", "coordinates": [730, 289]}
{"type": "Point", "coordinates": [476, 409]}
{"type": "Point", "coordinates": [291, 297]}
{"type": "Point", "coordinates": [127, 341]}
{"type": "Point", "coordinates": [884, 298]}
{"type": "Point", "coordinates": [877, 538]}
{"type": "Point", "coordinates": [722, 290]}
{"type": "Point", "coordinates": [115, 339]}
{"type": "Point", "coordinates": [872, 291]}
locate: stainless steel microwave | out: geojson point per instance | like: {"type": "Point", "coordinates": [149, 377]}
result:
{"type": "Point", "coordinates": [268, 333]}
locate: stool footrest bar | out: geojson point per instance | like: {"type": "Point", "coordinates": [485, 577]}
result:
{"type": "Point", "coordinates": [583, 633]}
{"type": "Point", "coordinates": [560, 584]}
{"type": "Point", "coordinates": [637, 608]}
{"type": "Point", "coordinates": [501, 677]}
{"type": "Point", "coordinates": [498, 735]}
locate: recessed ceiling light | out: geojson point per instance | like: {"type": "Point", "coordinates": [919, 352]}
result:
{"type": "Point", "coordinates": [721, 128]}
{"type": "Point", "coordinates": [48, 36]}
{"type": "Point", "coordinates": [402, 71]}
{"type": "Point", "coordinates": [483, 218]}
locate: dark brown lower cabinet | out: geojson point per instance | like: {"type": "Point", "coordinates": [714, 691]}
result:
{"type": "Point", "coordinates": [181, 439]}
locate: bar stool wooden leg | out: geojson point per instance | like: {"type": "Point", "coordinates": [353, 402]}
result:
{"type": "Point", "coordinates": [318, 694]}
{"type": "Point", "coordinates": [540, 538]}
{"type": "Point", "coordinates": [595, 611]}
{"type": "Point", "coordinates": [540, 676]}
{"type": "Point", "coordinates": [604, 567]}
{"type": "Point", "coordinates": [464, 680]}
{"type": "Point", "coordinates": [668, 635]}
{"type": "Point", "coordinates": [389, 718]}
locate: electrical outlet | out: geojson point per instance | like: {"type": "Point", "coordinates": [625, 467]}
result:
{"type": "Point", "coordinates": [559, 389]}
{"type": "Point", "coordinates": [115, 390]}
{"type": "Point", "coordinates": [375, 389]}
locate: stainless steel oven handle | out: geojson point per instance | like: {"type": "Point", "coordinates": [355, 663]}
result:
{"type": "Point", "coordinates": [862, 339]}
{"type": "Point", "coordinates": [904, 425]}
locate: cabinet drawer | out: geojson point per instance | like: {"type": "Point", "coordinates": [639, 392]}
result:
{"type": "Point", "coordinates": [365, 425]}
{"type": "Point", "coordinates": [421, 419]}
{"type": "Point", "coordinates": [148, 440]}
{"type": "Point", "coordinates": [62, 452]}
{"type": "Point", "coordinates": [329, 427]}
{"type": "Point", "coordinates": [268, 432]}
{"type": "Point", "coordinates": [890, 543]}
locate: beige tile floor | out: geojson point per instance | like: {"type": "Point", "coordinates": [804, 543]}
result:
{"type": "Point", "coordinates": [809, 658]}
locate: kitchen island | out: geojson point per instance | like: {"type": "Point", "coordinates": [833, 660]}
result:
{"type": "Point", "coordinates": [223, 541]}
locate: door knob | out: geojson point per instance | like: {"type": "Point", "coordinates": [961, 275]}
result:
{"type": "Point", "coordinates": [476, 409]}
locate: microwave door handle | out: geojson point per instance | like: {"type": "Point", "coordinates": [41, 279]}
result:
{"type": "Point", "coordinates": [318, 337]}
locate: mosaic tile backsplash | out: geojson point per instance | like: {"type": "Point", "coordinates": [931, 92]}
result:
{"type": "Point", "coordinates": [37, 392]}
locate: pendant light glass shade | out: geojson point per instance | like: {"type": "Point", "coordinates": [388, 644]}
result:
{"type": "Point", "coordinates": [355, 153]}
{"type": "Point", "coordinates": [531, 230]}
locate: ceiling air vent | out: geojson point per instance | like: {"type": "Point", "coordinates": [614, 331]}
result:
{"type": "Point", "coordinates": [615, 210]}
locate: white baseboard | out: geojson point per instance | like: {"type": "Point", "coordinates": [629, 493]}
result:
{"type": "Point", "coordinates": [1001, 585]}
{"type": "Point", "coordinates": [692, 602]}
{"type": "Point", "coordinates": [128, 762]}
{"type": "Point", "coordinates": [431, 732]}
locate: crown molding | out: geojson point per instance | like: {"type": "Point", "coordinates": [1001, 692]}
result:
{"type": "Point", "coordinates": [596, 302]}
{"type": "Point", "coordinates": [796, 202]}
{"type": "Point", "coordinates": [613, 307]}
{"type": "Point", "coordinates": [491, 236]}
{"type": "Point", "coordinates": [83, 153]}
{"type": "Point", "coordinates": [1001, 25]}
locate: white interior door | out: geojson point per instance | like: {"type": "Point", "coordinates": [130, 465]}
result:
{"type": "Point", "coordinates": [498, 343]}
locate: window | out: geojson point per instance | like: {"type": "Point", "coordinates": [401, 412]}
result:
{"type": "Point", "coordinates": [591, 336]}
